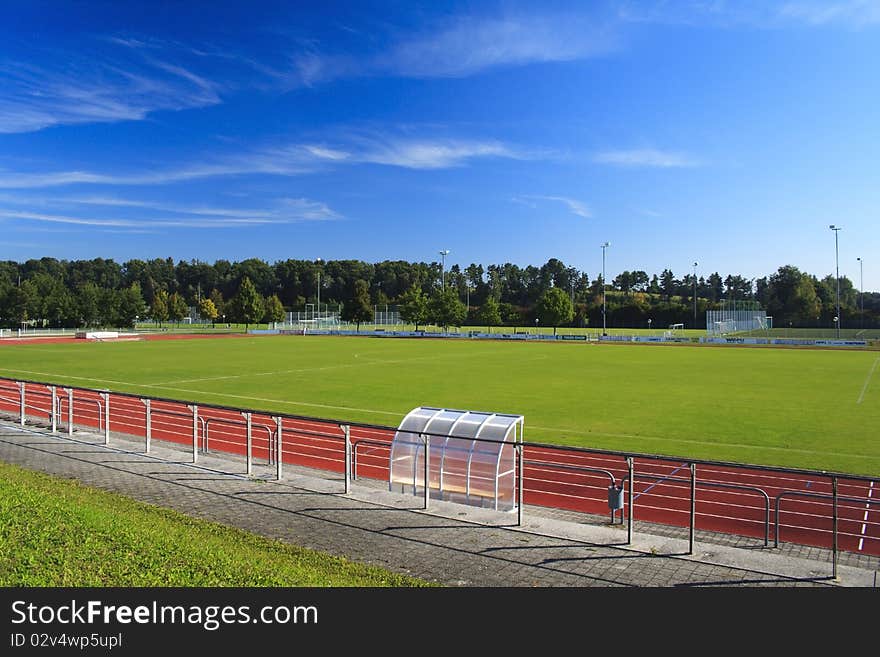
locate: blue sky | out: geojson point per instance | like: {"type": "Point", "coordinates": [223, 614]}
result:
{"type": "Point", "coordinates": [727, 133]}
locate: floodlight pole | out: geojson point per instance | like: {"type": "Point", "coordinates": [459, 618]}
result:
{"type": "Point", "coordinates": [836, 229]}
{"type": "Point", "coordinates": [605, 245]}
{"type": "Point", "coordinates": [695, 294]}
{"type": "Point", "coordinates": [318, 318]}
{"type": "Point", "coordinates": [443, 254]}
{"type": "Point", "coordinates": [861, 293]}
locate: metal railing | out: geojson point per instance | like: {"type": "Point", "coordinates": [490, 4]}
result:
{"type": "Point", "coordinates": [346, 454]}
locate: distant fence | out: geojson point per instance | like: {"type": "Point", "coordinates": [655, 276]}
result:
{"type": "Point", "coordinates": [350, 330]}
{"type": "Point", "coordinates": [829, 510]}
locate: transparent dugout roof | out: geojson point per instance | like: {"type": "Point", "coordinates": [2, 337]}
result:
{"type": "Point", "coordinates": [471, 455]}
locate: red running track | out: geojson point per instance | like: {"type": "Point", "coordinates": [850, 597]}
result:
{"type": "Point", "coordinates": [729, 499]}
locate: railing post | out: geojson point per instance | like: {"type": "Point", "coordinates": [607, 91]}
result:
{"type": "Point", "coordinates": [54, 409]}
{"type": "Point", "coordinates": [834, 528]}
{"type": "Point", "coordinates": [70, 411]}
{"type": "Point", "coordinates": [106, 397]}
{"type": "Point", "coordinates": [693, 514]}
{"type": "Point", "coordinates": [519, 492]}
{"type": "Point", "coordinates": [149, 426]}
{"type": "Point", "coordinates": [279, 451]}
{"type": "Point", "coordinates": [21, 387]}
{"type": "Point", "coordinates": [195, 442]}
{"type": "Point", "coordinates": [248, 460]}
{"type": "Point", "coordinates": [354, 461]}
{"type": "Point", "coordinates": [629, 517]}
{"type": "Point", "coordinates": [347, 431]}
{"type": "Point", "coordinates": [427, 469]}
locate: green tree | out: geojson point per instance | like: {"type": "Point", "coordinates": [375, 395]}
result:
{"type": "Point", "coordinates": [17, 305]}
{"type": "Point", "coordinates": [208, 310]}
{"type": "Point", "coordinates": [489, 313]}
{"type": "Point", "coordinates": [357, 308]}
{"type": "Point", "coordinates": [274, 310]}
{"type": "Point", "coordinates": [248, 303]}
{"type": "Point", "coordinates": [413, 306]}
{"type": "Point", "coordinates": [88, 304]}
{"type": "Point", "coordinates": [159, 310]}
{"type": "Point", "coordinates": [791, 296]}
{"type": "Point", "coordinates": [446, 309]}
{"type": "Point", "coordinates": [131, 305]}
{"type": "Point", "coordinates": [554, 308]}
{"type": "Point", "coordinates": [218, 301]}
{"type": "Point", "coordinates": [177, 308]}
{"type": "Point", "coordinates": [510, 315]}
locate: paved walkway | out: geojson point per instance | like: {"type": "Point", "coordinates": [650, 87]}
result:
{"type": "Point", "coordinates": [450, 544]}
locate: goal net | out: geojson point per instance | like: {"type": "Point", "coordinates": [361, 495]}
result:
{"type": "Point", "coordinates": [725, 322]}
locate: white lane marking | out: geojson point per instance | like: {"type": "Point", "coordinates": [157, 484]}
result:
{"type": "Point", "coordinates": [865, 518]}
{"type": "Point", "coordinates": [868, 380]}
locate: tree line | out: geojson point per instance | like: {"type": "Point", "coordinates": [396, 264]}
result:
{"type": "Point", "coordinates": [101, 292]}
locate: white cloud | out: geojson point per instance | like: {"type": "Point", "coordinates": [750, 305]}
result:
{"type": "Point", "coordinates": [470, 45]}
{"type": "Point", "coordinates": [856, 13]}
{"type": "Point", "coordinates": [279, 211]}
{"type": "Point", "coordinates": [290, 160]}
{"type": "Point", "coordinates": [325, 153]}
{"type": "Point", "coordinates": [118, 87]}
{"type": "Point", "coordinates": [466, 45]}
{"type": "Point", "coordinates": [574, 206]}
{"type": "Point", "coordinates": [429, 154]}
{"type": "Point", "coordinates": [756, 14]}
{"type": "Point", "coordinates": [646, 157]}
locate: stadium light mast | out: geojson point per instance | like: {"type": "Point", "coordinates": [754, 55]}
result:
{"type": "Point", "coordinates": [443, 254]}
{"type": "Point", "coordinates": [836, 229]}
{"type": "Point", "coordinates": [318, 261]}
{"type": "Point", "coordinates": [695, 293]}
{"type": "Point", "coordinates": [605, 245]}
{"type": "Point", "coordinates": [861, 293]}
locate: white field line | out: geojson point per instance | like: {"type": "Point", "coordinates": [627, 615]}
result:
{"type": "Point", "coordinates": [362, 363]}
{"type": "Point", "coordinates": [865, 518]}
{"type": "Point", "coordinates": [868, 380]}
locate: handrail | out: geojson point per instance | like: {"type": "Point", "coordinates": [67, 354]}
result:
{"type": "Point", "coordinates": [238, 423]}
{"type": "Point", "coordinates": [719, 484]}
{"type": "Point", "coordinates": [170, 413]}
{"type": "Point", "coordinates": [355, 444]}
{"type": "Point", "coordinates": [821, 496]}
{"type": "Point", "coordinates": [60, 407]}
{"type": "Point", "coordinates": [578, 468]}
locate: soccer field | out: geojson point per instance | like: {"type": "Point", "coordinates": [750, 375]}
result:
{"type": "Point", "coordinates": [808, 408]}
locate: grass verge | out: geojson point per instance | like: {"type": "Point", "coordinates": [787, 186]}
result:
{"type": "Point", "coordinates": [56, 532]}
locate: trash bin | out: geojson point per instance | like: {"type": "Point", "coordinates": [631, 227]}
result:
{"type": "Point", "coordinates": [615, 497]}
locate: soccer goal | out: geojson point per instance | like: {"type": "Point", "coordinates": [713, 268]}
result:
{"type": "Point", "coordinates": [725, 321]}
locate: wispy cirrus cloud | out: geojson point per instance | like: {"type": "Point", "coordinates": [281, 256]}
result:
{"type": "Point", "coordinates": [290, 160]}
{"type": "Point", "coordinates": [415, 153]}
{"type": "Point", "coordinates": [470, 45]}
{"type": "Point", "coordinates": [854, 13]}
{"type": "Point", "coordinates": [751, 13]}
{"type": "Point", "coordinates": [281, 211]}
{"type": "Point", "coordinates": [646, 157]}
{"type": "Point", "coordinates": [467, 45]}
{"type": "Point", "coordinates": [118, 85]}
{"type": "Point", "coordinates": [574, 206]}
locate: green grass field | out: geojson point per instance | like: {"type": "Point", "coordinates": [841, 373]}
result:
{"type": "Point", "coordinates": [55, 532]}
{"type": "Point", "coordinates": [806, 408]}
